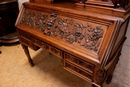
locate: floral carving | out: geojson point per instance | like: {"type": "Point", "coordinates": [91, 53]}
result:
{"type": "Point", "coordinates": [66, 28]}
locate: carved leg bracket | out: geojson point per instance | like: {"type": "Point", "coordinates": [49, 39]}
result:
{"type": "Point", "coordinates": [28, 55]}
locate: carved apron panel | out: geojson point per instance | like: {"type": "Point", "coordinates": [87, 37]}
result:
{"type": "Point", "coordinates": [86, 34]}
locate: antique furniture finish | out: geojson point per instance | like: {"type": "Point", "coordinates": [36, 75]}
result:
{"type": "Point", "coordinates": [8, 15]}
{"type": "Point", "coordinates": [86, 34]}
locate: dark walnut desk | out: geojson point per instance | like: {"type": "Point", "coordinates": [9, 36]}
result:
{"type": "Point", "coordinates": [87, 35]}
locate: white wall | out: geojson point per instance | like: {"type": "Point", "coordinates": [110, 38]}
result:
{"type": "Point", "coordinates": [121, 75]}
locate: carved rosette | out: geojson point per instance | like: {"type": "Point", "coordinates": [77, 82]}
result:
{"type": "Point", "coordinates": [66, 28]}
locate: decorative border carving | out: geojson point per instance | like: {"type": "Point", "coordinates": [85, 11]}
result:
{"type": "Point", "coordinates": [66, 28]}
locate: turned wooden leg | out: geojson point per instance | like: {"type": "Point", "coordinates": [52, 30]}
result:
{"type": "Point", "coordinates": [28, 55]}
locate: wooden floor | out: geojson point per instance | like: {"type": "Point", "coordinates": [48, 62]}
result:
{"type": "Point", "coordinates": [48, 71]}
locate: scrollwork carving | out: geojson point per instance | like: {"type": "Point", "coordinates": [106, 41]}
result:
{"type": "Point", "coordinates": [66, 28]}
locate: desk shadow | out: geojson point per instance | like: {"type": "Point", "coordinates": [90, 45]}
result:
{"type": "Point", "coordinates": [52, 65]}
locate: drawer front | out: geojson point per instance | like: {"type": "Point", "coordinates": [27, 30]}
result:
{"type": "Point", "coordinates": [55, 51]}
{"type": "Point", "coordinates": [26, 35]}
{"type": "Point", "coordinates": [77, 71]}
{"type": "Point", "coordinates": [27, 43]}
{"type": "Point", "coordinates": [86, 65]}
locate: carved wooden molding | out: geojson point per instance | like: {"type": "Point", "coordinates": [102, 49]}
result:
{"type": "Point", "coordinates": [66, 28]}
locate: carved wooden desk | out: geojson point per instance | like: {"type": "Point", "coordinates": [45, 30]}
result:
{"type": "Point", "coordinates": [86, 38]}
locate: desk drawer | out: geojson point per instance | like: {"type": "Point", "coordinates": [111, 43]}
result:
{"type": "Point", "coordinates": [27, 43]}
{"type": "Point", "coordinates": [85, 65]}
{"type": "Point", "coordinates": [55, 51]}
{"type": "Point", "coordinates": [77, 71]}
